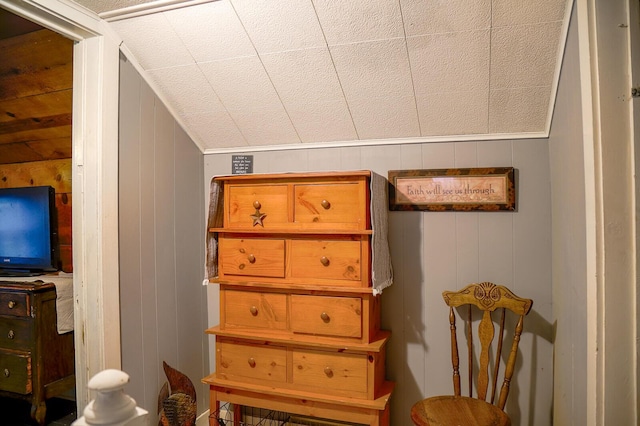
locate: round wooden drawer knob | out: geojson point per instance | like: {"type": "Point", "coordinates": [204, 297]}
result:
{"type": "Point", "coordinates": [12, 304]}
{"type": "Point", "coordinates": [252, 362]}
{"type": "Point", "coordinates": [252, 258]}
{"type": "Point", "coordinates": [325, 317]}
{"type": "Point", "coordinates": [324, 260]}
{"type": "Point", "coordinates": [11, 335]}
{"type": "Point", "coordinates": [257, 205]}
{"type": "Point", "coordinates": [328, 371]}
{"type": "Point", "coordinates": [253, 310]}
{"type": "Point", "coordinates": [325, 204]}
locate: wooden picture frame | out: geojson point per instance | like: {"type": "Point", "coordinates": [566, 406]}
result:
{"type": "Point", "coordinates": [472, 189]}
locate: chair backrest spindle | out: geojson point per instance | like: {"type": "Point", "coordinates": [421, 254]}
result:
{"type": "Point", "coordinates": [487, 297]}
{"type": "Point", "coordinates": [455, 360]}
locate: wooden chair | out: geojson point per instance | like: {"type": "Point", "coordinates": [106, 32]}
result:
{"type": "Point", "coordinates": [462, 410]}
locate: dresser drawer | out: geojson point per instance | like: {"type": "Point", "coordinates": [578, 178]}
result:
{"type": "Point", "coordinates": [15, 372]}
{"type": "Point", "coordinates": [15, 333]}
{"type": "Point", "coordinates": [252, 257]}
{"type": "Point", "coordinates": [245, 361]}
{"type": "Point", "coordinates": [16, 304]}
{"type": "Point", "coordinates": [331, 260]}
{"type": "Point", "coordinates": [328, 316]}
{"type": "Point", "coordinates": [252, 309]}
{"type": "Point", "coordinates": [334, 373]}
{"type": "Point", "coordinates": [257, 206]}
{"type": "Point", "coordinates": [339, 205]}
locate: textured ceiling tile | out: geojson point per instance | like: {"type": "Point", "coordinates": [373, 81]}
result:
{"type": "Point", "coordinates": [454, 113]}
{"type": "Point", "coordinates": [302, 76]}
{"type": "Point", "coordinates": [373, 69]}
{"type": "Point", "coordinates": [518, 110]}
{"type": "Point", "coordinates": [215, 129]}
{"type": "Point", "coordinates": [187, 89]}
{"type": "Point", "coordinates": [275, 28]}
{"type": "Point", "coordinates": [326, 121]}
{"type": "Point", "coordinates": [357, 21]}
{"type": "Point", "coordinates": [99, 6]}
{"type": "Point", "coordinates": [211, 31]}
{"type": "Point", "coordinates": [241, 83]}
{"type": "Point", "coordinates": [524, 55]}
{"type": "Point", "coordinates": [513, 12]}
{"type": "Point", "coordinates": [265, 126]}
{"type": "Point", "coordinates": [450, 62]}
{"type": "Point", "coordinates": [152, 41]}
{"type": "Point", "coordinates": [431, 17]}
{"type": "Point", "coordinates": [378, 118]}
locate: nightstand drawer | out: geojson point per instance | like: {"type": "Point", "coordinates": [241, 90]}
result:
{"type": "Point", "coordinates": [335, 373]}
{"type": "Point", "coordinates": [331, 260]}
{"type": "Point", "coordinates": [245, 361]}
{"type": "Point", "coordinates": [252, 257]}
{"type": "Point", "coordinates": [252, 309]}
{"type": "Point", "coordinates": [338, 205]}
{"type": "Point", "coordinates": [16, 304]}
{"type": "Point", "coordinates": [257, 206]}
{"type": "Point", "coordinates": [328, 316]}
{"type": "Point", "coordinates": [15, 333]}
{"type": "Point", "coordinates": [15, 372]}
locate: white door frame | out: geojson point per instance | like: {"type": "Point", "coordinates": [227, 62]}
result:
{"type": "Point", "coordinates": [94, 183]}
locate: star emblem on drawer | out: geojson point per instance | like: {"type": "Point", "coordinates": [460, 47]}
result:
{"type": "Point", "coordinates": [258, 217]}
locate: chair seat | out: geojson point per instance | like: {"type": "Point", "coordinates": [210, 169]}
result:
{"type": "Point", "coordinates": [453, 410]}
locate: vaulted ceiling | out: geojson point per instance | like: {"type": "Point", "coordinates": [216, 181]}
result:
{"type": "Point", "coordinates": [244, 74]}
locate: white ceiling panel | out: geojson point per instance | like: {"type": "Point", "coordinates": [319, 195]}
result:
{"type": "Point", "coordinates": [434, 17]}
{"type": "Point", "coordinates": [241, 83]}
{"type": "Point", "coordinates": [302, 76]}
{"type": "Point", "coordinates": [275, 28]}
{"type": "Point", "coordinates": [322, 121]}
{"type": "Point", "coordinates": [265, 126]}
{"type": "Point", "coordinates": [521, 56]}
{"type": "Point", "coordinates": [515, 12]}
{"type": "Point", "coordinates": [381, 117]}
{"type": "Point", "coordinates": [518, 110]}
{"type": "Point", "coordinates": [211, 31]}
{"type": "Point", "coordinates": [153, 42]}
{"type": "Point", "coordinates": [242, 73]}
{"type": "Point", "coordinates": [462, 62]}
{"type": "Point", "coordinates": [356, 21]}
{"type": "Point", "coordinates": [373, 69]}
{"type": "Point", "coordinates": [186, 88]}
{"type": "Point", "coordinates": [454, 113]}
{"type": "Point", "coordinates": [215, 129]}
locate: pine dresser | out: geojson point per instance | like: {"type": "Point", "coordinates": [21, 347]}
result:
{"type": "Point", "coordinates": [299, 321]}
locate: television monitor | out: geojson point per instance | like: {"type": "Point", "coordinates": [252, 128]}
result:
{"type": "Point", "coordinates": [28, 231]}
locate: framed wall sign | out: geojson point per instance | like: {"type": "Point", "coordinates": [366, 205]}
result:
{"type": "Point", "coordinates": [488, 189]}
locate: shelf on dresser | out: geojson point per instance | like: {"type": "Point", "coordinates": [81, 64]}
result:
{"type": "Point", "coordinates": [321, 342]}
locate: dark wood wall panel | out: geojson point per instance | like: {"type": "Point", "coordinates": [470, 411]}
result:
{"type": "Point", "coordinates": [35, 63]}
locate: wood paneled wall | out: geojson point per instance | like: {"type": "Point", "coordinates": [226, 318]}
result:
{"type": "Point", "coordinates": [36, 77]}
{"type": "Point", "coordinates": [35, 121]}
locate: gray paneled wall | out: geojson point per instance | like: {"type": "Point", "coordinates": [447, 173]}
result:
{"type": "Point", "coordinates": [162, 300]}
{"type": "Point", "coordinates": [433, 251]}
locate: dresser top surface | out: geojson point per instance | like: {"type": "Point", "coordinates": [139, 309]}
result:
{"type": "Point", "coordinates": [293, 176]}
{"type": "Point", "coordinates": [33, 286]}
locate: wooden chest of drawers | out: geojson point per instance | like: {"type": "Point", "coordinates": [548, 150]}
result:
{"type": "Point", "coordinates": [36, 363]}
{"type": "Point", "coordinates": [299, 323]}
